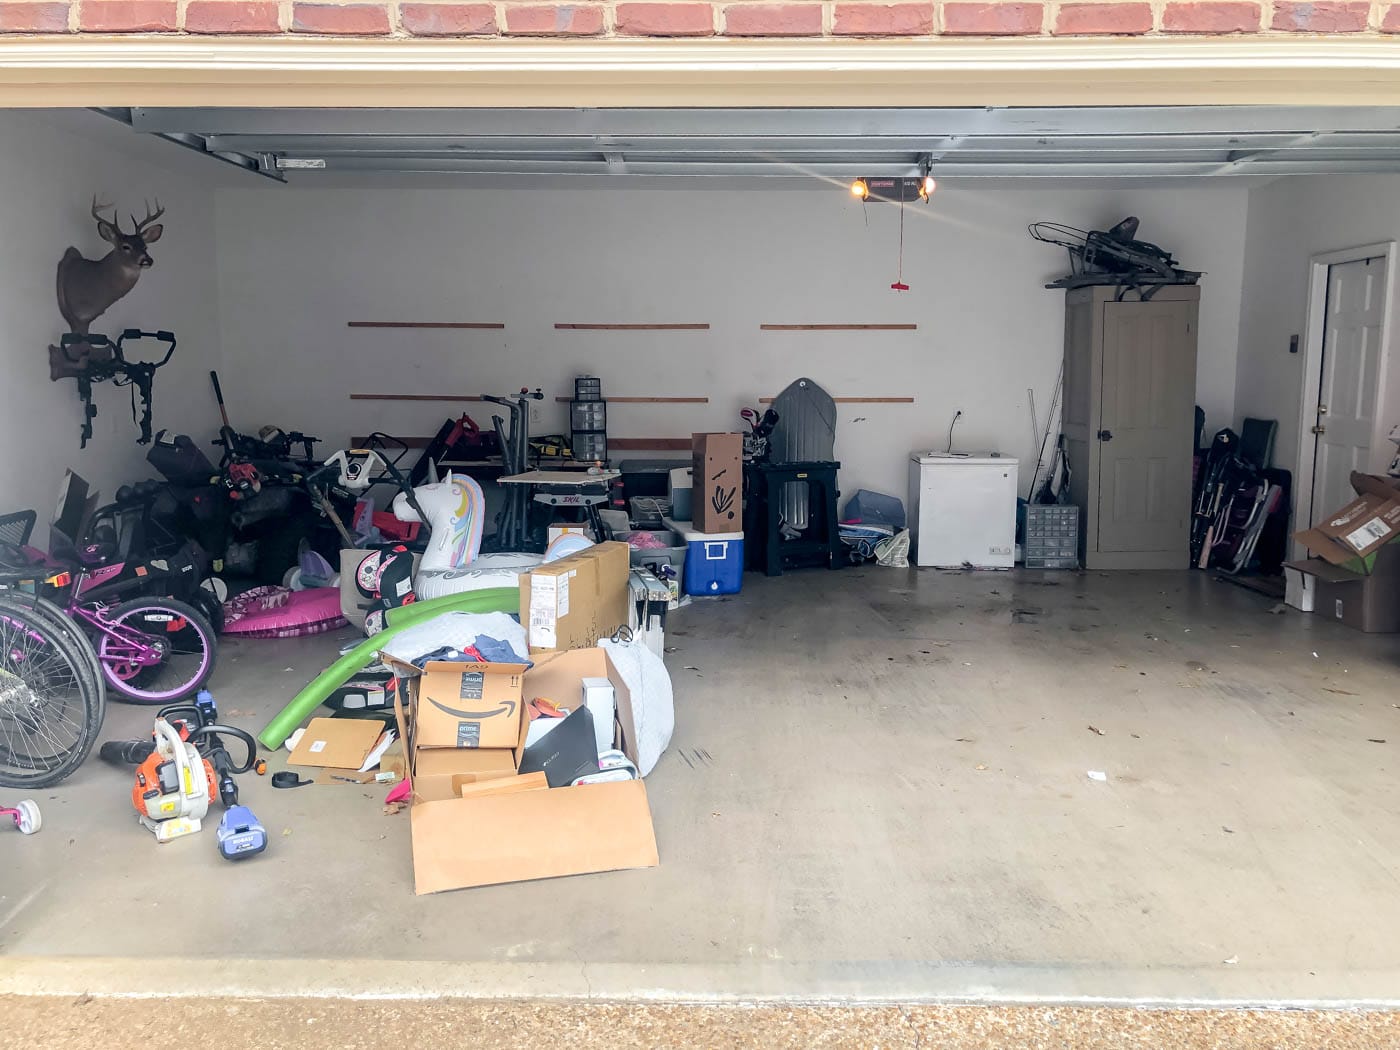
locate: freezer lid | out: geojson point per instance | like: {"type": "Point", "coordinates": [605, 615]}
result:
{"type": "Point", "coordinates": [977, 459]}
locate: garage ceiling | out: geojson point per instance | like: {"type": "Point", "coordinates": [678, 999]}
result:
{"type": "Point", "coordinates": [1090, 142]}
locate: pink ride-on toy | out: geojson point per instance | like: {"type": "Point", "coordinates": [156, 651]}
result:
{"type": "Point", "coordinates": [25, 815]}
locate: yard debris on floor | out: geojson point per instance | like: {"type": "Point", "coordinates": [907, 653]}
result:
{"type": "Point", "coordinates": [1099, 775]}
{"type": "Point", "coordinates": [1097, 731]}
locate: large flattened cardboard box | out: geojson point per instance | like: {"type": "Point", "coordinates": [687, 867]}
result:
{"type": "Point", "coordinates": [717, 467]}
{"type": "Point", "coordinates": [1355, 571]}
{"type": "Point", "coordinates": [576, 601]}
{"type": "Point", "coordinates": [463, 838]}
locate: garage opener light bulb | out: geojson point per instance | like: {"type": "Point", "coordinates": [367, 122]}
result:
{"type": "Point", "coordinates": [859, 189]}
{"type": "Point", "coordinates": [927, 187]}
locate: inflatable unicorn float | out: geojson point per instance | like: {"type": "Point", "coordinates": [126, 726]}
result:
{"type": "Point", "coordinates": [454, 510]}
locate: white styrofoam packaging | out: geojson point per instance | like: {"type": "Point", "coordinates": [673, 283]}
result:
{"type": "Point", "coordinates": [1299, 589]}
{"type": "Point", "coordinates": [601, 699]}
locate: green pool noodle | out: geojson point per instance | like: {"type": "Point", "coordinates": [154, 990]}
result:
{"type": "Point", "coordinates": [420, 610]}
{"type": "Point", "coordinates": [497, 599]}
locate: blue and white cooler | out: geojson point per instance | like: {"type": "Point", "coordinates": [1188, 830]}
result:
{"type": "Point", "coordinates": [714, 561]}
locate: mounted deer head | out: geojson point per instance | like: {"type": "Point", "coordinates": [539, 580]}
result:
{"type": "Point", "coordinates": [86, 288]}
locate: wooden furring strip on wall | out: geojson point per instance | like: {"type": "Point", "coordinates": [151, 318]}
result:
{"type": "Point", "coordinates": [415, 397]}
{"type": "Point", "coordinates": [838, 327]}
{"type": "Point", "coordinates": [857, 400]}
{"type": "Point", "coordinates": [564, 399]}
{"type": "Point", "coordinates": [426, 324]}
{"type": "Point", "coordinates": [632, 327]}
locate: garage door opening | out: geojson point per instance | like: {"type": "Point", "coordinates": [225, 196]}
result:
{"type": "Point", "coordinates": [521, 363]}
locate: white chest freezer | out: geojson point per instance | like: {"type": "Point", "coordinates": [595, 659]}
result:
{"type": "Point", "coordinates": [962, 509]}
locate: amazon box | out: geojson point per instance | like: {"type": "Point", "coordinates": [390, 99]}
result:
{"type": "Point", "coordinates": [576, 601]}
{"type": "Point", "coordinates": [468, 705]}
{"type": "Point", "coordinates": [476, 822]}
{"type": "Point", "coordinates": [438, 773]}
{"type": "Point", "coordinates": [717, 467]}
{"type": "Point", "coordinates": [1350, 535]}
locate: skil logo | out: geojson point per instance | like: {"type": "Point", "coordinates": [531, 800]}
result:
{"type": "Point", "coordinates": [505, 707]}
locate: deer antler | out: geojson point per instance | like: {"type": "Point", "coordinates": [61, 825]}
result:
{"type": "Point", "coordinates": [99, 218]}
{"type": "Point", "coordinates": [150, 217]}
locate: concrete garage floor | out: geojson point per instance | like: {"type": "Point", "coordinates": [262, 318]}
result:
{"type": "Point", "coordinates": [877, 792]}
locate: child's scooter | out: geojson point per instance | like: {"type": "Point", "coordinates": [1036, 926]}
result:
{"type": "Point", "coordinates": [25, 815]}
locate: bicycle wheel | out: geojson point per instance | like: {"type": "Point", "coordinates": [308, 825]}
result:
{"type": "Point", "coordinates": [163, 650]}
{"type": "Point", "coordinates": [49, 715]}
{"type": "Point", "coordinates": [61, 622]}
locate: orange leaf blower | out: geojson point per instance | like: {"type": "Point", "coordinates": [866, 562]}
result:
{"type": "Point", "coordinates": [174, 785]}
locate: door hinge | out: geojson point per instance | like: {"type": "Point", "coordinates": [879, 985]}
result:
{"type": "Point", "coordinates": [1319, 429]}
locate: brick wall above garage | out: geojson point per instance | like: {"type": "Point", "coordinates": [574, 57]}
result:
{"type": "Point", "coordinates": [903, 19]}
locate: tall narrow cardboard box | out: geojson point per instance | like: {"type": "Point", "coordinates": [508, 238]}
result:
{"type": "Point", "coordinates": [718, 469]}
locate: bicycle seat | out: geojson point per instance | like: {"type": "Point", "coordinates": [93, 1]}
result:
{"type": "Point", "coordinates": [103, 545]}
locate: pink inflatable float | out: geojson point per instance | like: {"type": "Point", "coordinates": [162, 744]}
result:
{"type": "Point", "coordinates": [276, 612]}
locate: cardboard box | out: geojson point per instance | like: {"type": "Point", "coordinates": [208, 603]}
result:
{"type": "Point", "coordinates": [1369, 603]}
{"type": "Point", "coordinates": [575, 601]}
{"type": "Point", "coordinates": [468, 842]}
{"type": "Point", "coordinates": [475, 836]}
{"type": "Point", "coordinates": [504, 785]}
{"type": "Point", "coordinates": [441, 772]}
{"type": "Point", "coordinates": [468, 705]}
{"type": "Point", "coordinates": [566, 528]}
{"type": "Point", "coordinates": [336, 743]}
{"type": "Point", "coordinates": [718, 470]}
{"type": "Point", "coordinates": [1348, 536]}
{"type": "Point", "coordinates": [1299, 587]}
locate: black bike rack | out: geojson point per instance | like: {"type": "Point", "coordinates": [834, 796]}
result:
{"type": "Point", "coordinates": [139, 375]}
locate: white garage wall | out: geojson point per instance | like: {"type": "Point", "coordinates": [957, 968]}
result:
{"type": "Point", "coordinates": [297, 264]}
{"type": "Point", "coordinates": [1291, 220]}
{"type": "Point", "coordinates": [47, 179]}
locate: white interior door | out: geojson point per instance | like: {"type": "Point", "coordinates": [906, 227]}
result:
{"type": "Point", "coordinates": [1347, 387]}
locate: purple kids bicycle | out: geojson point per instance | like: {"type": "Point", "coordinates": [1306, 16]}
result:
{"type": "Point", "coordinates": [150, 650]}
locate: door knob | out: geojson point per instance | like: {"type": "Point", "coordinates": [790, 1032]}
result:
{"type": "Point", "coordinates": [1105, 435]}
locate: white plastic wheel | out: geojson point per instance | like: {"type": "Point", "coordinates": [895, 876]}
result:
{"type": "Point", "coordinates": [215, 586]}
{"type": "Point", "coordinates": [29, 819]}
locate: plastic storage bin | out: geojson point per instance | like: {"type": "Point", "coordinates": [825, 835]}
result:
{"type": "Point", "coordinates": [714, 561]}
{"type": "Point", "coordinates": [673, 554]}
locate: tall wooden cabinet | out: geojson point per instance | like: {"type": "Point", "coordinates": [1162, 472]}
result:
{"type": "Point", "coordinates": [1128, 421]}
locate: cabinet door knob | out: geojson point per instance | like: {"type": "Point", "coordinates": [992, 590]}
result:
{"type": "Point", "coordinates": [1105, 435]}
